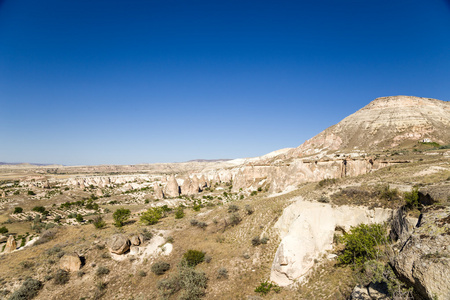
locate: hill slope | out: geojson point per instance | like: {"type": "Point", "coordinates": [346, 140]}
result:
{"type": "Point", "coordinates": [386, 122]}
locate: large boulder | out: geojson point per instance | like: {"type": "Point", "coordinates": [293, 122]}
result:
{"type": "Point", "coordinates": [306, 230]}
{"type": "Point", "coordinates": [424, 258]}
{"type": "Point", "coordinates": [172, 188]}
{"type": "Point", "coordinates": [70, 262]}
{"type": "Point", "coordinates": [11, 245]}
{"type": "Point", "coordinates": [119, 244]}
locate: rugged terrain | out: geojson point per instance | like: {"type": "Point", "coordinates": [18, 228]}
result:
{"type": "Point", "coordinates": [275, 218]}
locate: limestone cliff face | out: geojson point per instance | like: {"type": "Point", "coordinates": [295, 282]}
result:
{"type": "Point", "coordinates": [385, 122]}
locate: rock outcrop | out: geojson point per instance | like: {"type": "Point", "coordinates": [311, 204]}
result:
{"type": "Point", "coordinates": [137, 239]}
{"type": "Point", "coordinates": [384, 122]}
{"type": "Point", "coordinates": [70, 262]}
{"type": "Point", "coordinates": [158, 191]}
{"type": "Point", "coordinates": [424, 258]}
{"type": "Point", "coordinates": [119, 244]}
{"type": "Point", "coordinates": [11, 245]}
{"type": "Point", "coordinates": [195, 186]}
{"type": "Point", "coordinates": [307, 229]}
{"type": "Point", "coordinates": [186, 186]}
{"type": "Point", "coordinates": [172, 189]}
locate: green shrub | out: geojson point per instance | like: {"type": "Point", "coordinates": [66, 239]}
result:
{"type": "Point", "coordinates": [362, 243]}
{"type": "Point", "coordinates": [249, 209]}
{"type": "Point", "coordinates": [265, 287]}
{"type": "Point", "coordinates": [120, 216]}
{"type": "Point", "coordinates": [79, 218]}
{"type": "Point", "coordinates": [29, 289]}
{"type": "Point", "coordinates": [193, 283]}
{"type": "Point", "coordinates": [256, 241]}
{"type": "Point", "coordinates": [151, 216]}
{"type": "Point", "coordinates": [193, 257]}
{"type": "Point", "coordinates": [160, 267]}
{"type": "Point", "coordinates": [99, 222]}
{"type": "Point", "coordinates": [234, 219]}
{"type": "Point", "coordinates": [3, 230]}
{"type": "Point", "coordinates": [147, 234]}
{"type": "Point", "coordinates": [233, 208]}
{"type": "Point", "coordinates": [179, 213]}
{"type": "Point", "coordinates": [61, 277]}
{"type": "Point", "coordinates": [194, 222]}
{"type": "Point", "coordinates": [386, 193]}
{"type": "Point", "coordinates": [142, 273]}
{"type": "Point", "coordinates": [18, 210]}
{"type": "Point", "coordinates": [39, 209]}
{"type": "Point", "coordinates": [102, 271]}
{"type": "Point", "coordinates": [168, 287]}
{"type": "Point", "coordinates": [412, 198]}
{"type": "Point", "coordinates": [31, 193]}
{"type": "Point", "coordinates": [327, 182]}
{"type": "Point", "coordinates": [254, 193]}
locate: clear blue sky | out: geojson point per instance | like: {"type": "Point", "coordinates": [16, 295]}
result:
{"type": "Point", "coordinates": [126, 82]}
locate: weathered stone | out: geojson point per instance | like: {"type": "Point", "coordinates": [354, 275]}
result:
{"type": "Point", "coordinates": [158, 192]}
{"type": "Point", "coordinates": [11, 245]}
{"type": "Point", "coordinates": [424, 257]}
{"type": "Point", "coordinates": [186, 186]}
{"type": "Point", "coordinates": [118, 244]}
{"type": "Point", "coordinates": [195, 186]}
{"type": "Point", "coordinates": [307, 229]}
{"type": "Point", "coordinates": [360, 293]}
{"type": "Point", "coordinates": [70, 262]}
{"type": "Point", "coordinates": [401, 228]}
{"type": "Point", "coordinates": [99, 193]}
{"type": "Point", "coordinates": [3, 194]}
{"type": "Point", "coordinates": [135, 240]}
{"type": "Point", "coordinates": [172, 189]}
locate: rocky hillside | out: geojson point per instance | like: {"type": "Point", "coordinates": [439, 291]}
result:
{"type": "Point", "coordinates": [385, 122]}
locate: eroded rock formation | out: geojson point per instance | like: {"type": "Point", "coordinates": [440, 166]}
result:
{"type": "Point", "coordinates": [306, 230]}
{"type": "Point", "coordinates": [172, 188]}
{"type": "Point", "coordinates": [424, 258]}
{"type": "Point", "coordinates": [11, 245]}
{"type": "Point", "coordinates": [70, 262]}
{"type": "Point", "coordinates": [119, 244]}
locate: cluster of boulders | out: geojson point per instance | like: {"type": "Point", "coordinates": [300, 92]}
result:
{"type": "Point", "coordinates": [121, 244]}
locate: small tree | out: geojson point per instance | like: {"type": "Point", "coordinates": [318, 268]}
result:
{"type": "Point", "coordinates": [151, 216]}
{"type": "Point", "coordinates": [18, 210]}
{"type": "Point", "coordinates": [120, 216]}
